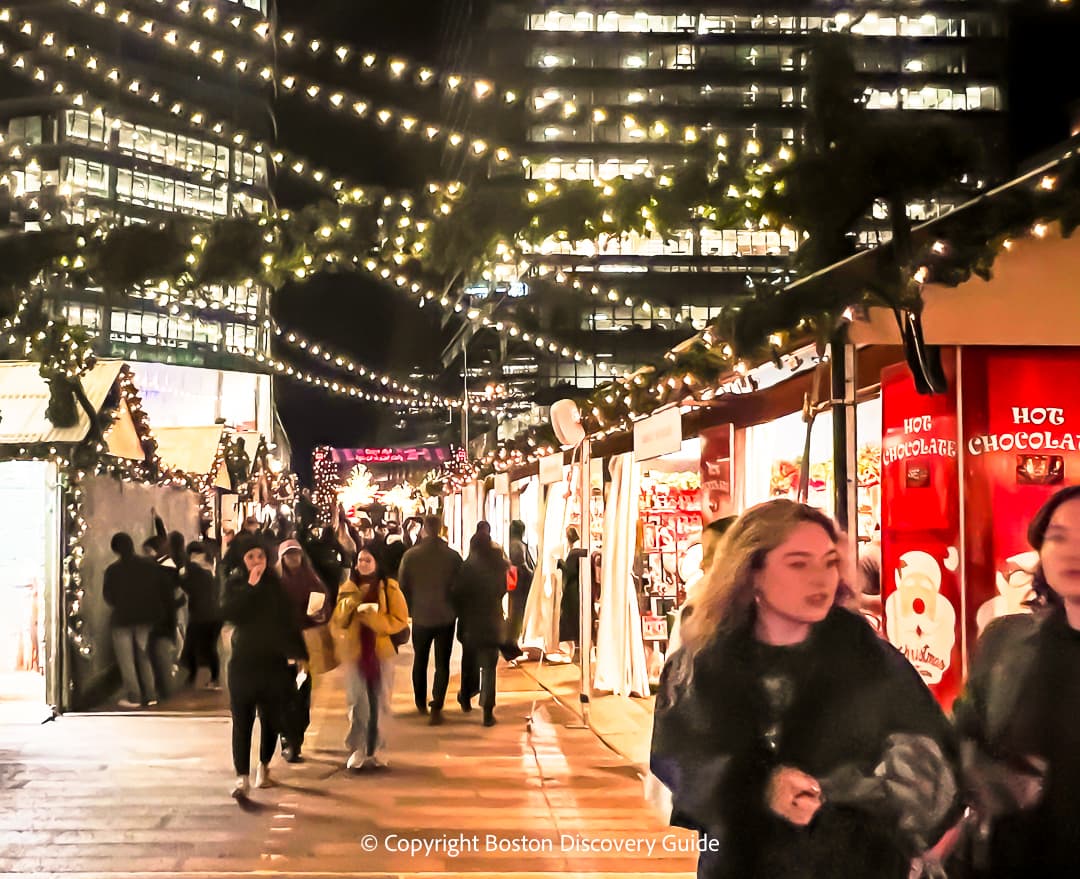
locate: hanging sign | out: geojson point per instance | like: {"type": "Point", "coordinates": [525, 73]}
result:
{"type": "Point", "coordinates": [657, 435]}
{"type": "Point", "coordinates": [717, 499]}
{"type": "Point", "coordinates": [502, 483]}
{"type": "Point", "coordinates": [920, 535]}
{"type": "Point", "coordinates": [551, 468]}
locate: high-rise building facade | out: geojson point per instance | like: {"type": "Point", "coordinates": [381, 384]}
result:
{"type": "Point", "coordinates": [619, 89]}
{"type": "Point", "coordinates": [119, 160]}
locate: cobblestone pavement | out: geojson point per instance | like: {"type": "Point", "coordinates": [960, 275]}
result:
{"type": "Point", "coordinates": [100, 795]}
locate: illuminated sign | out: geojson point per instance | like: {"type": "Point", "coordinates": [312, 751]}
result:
{"type": "Point", "coordinates": [426, 455]}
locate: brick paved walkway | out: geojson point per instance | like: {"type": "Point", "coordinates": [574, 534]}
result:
{"type": "Point", "coordinates": [107, 795]}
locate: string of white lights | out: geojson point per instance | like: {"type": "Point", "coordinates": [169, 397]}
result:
{"type": "Point", "coordinates": [340, 102]}
{"type": "Point", "coordinates": [138, 87]}
{"type": "Point", "coordinates": [250, 24]}
{"type": "Point", "coordinates": [393, 275]}
{"type": "Point", "coordinates": [317, 349]}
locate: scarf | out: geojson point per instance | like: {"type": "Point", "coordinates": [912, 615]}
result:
{"type": "Point", "coordinates": [369, 658]}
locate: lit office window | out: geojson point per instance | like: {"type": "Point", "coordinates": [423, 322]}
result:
{"type": "Point", "coordinates": [85, 177]}
{"type": "Point", "coordinates": [81, 315]}
{"type": "Point", "coordinates": [936, 98]}
{"type": "Point", "coordinates": [240, 338]}
{"type": "Point", "coordinates": [80, 125]}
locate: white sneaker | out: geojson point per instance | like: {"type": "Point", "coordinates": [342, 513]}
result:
{"type": "Point", "coordinates": [262, 776]}
{"type": "Point", "coordinates": [241, 788]}
{"type": "Point", "coordinates": [377, 763]}
{"type": "Point", "coordinates": [356, 760]}
{"type": "Point", "coordinates": [127, 703]}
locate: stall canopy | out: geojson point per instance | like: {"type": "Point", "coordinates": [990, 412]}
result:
{"type": "Point", "coordinates": [24, 399]}
{"type": "Point", "coordinates": [195, 450]}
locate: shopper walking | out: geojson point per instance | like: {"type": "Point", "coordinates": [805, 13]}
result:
{"type": "Point", "coordinates": [131, 588]}
{"type": "Point", "coordinates": [164, 639]}
{"type": "Point", "coordinates": [1017, 717]}
{"type": "Point", "coordinates": [522, 559]}
{"type": "Point", "coordinates": [265, 639]}
{"type": "Point", "coordinates": [427, 578]}
{"type": "Point", "coordinates": [370, 611]}
{"type": "Point", "coordinates": [301, 584]}
{"type": "Point", "coordinates": [478, 598]}
{"type": "Point", "coordinates": [199, 583]}
{"type": "Point", "coordinates": [794, 740]}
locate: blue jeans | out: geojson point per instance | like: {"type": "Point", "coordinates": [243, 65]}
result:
{"type": "Point", "coordinates": [132, 647]}
{"type": "Point", "coordinates": [368, 707]}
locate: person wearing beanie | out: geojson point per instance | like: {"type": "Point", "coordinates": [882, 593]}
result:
{"type": "Point", "coordinates": [301, 583]}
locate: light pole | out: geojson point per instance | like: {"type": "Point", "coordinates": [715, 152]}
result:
{"type": "Point", "coordinates": [465, 400]}
{"type": "Point", "coordinates": [566, 422]}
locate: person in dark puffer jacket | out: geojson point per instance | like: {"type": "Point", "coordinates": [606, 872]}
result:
{"type": "Point", "coordinates": [265, 638]}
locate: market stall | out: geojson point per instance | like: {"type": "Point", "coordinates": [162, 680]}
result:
{"type": "Point", "coordinates": [65, 491]}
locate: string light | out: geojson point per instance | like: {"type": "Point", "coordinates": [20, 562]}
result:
{"type": "Point", "coordinates": [342, 361]}
{"type": "Point", "coordinates": [336, 100]}
{"type": "Point", "coordinates": [341, 188]}
{"type": "Point", "coordinates": [250, 24]}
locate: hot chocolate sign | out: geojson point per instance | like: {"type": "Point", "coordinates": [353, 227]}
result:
{"type": "Point", "coordinates": [917, 441]}
{"type": "Point", "coordinates": [1045, 439]}
{"type": "Point", "coordinates": [920, 539]}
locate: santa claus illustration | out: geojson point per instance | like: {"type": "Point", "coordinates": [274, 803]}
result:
{"type": "Point", "coordinates": [919, 620]}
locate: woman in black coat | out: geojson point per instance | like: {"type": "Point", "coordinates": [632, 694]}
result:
{"type": "Point", "coordinates": [482, 628]}
{"type": "Point", "coordinates": [266, 637]}
{"type": "Point", "coordinates": [570, 603]}
{"type": "Point", "coordinates": [796, 742]}
{"type": "Point", "coordinates": [1017, 718]}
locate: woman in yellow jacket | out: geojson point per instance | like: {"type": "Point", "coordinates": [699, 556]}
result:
{"type": "Point", "coordinates": [370, 608]}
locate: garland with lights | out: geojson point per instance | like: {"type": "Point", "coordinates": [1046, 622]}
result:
{"type": "Point", "coordinates": [766, 328]}
{"type": "Point", "coordinates": [324, 473]}
{"type": "Point", "coordinates": [950, 251]}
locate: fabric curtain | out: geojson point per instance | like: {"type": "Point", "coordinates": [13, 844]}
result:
{"type": "Point", "coordinates": [620, 650]}
{"type": "Point", "coordinates": [541, 628]}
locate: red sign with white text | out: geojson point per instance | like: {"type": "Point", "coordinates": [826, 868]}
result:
{"type": "Point", "coordinates": [920, 532]}
{"type": "Point", "coordinates": [1021, 409]}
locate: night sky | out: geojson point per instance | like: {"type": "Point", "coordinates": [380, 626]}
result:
{"type": "Point", "coordinates": [380, 327]}
{"type": "Point", "coordinates": [386, 330]}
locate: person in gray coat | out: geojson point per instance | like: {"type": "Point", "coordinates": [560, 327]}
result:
{"type": "Point", "coordinates": [426, 577]}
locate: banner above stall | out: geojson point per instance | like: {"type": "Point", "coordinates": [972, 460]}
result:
{"type": "Point", "coordinates": [427, 455]}
{"type": "Point", "coordinates": [657, 435]}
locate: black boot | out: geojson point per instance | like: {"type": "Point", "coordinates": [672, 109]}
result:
{"type": "Point", "coordinates": [465, 702]}
{"type": "Point", "coordinates": [489, 717]}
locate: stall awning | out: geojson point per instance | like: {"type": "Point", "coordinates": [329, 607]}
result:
{"type": "Point", "coordinates": [24, 398]}
{"type": "Point", "coordinates": [191, 449]}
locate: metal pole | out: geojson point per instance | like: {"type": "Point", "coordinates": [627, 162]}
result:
{"type": "Point", "coordinates": [842, 369]}
{"type": "Point", "coordinates": [585, 602]}
{"type": "Point", "coordinates": [465, 401]}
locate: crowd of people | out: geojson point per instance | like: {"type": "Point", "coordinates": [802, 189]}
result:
{"type": "Point", "coordinates": [297, 608]}
{"type": "Point", "coordinates": [789, 733]}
